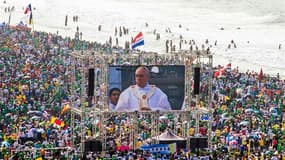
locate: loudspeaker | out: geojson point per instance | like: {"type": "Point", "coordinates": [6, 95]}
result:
{"type": "Point", "coordinates": [198, 142]}
{"type": "Point", "coordinates": [193, 143]}
{"type": "Point", "coordinates": [93, 146]}
{"type": "Point", "coordinates": [87, 146]}
{"type": "Point", "coordinates": [196, 80]}
{"type": "Point", "coordinates": [91, 78]}
{"type": "Point", "coordinates": [203, 142]}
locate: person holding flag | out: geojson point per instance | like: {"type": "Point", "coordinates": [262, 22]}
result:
{"type": "Point", "coordinates": [138, 40]}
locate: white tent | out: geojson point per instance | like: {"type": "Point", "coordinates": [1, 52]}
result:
{"type": "Point", "coordinates": [168, 135]}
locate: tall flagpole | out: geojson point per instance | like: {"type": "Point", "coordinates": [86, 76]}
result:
{"type": "Point", "coordinates": [33, 24]}
{"type": "Point", "coordinates": [31, 19]}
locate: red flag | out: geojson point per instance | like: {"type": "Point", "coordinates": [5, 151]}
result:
{"type": "Point", "coordinates": [219, 72]}
{"type": "Point", "coordinates": [57, 122]}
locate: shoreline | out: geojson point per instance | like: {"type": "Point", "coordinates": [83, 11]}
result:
{"type": "Point", "coordinates": [223, 60]}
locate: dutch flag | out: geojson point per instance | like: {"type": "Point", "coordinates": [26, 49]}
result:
{"type": "Point", "coordinates": [138, 41]}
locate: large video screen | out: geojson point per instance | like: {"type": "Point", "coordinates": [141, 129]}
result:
{"type": "Point", "coordinates": [164, 80]}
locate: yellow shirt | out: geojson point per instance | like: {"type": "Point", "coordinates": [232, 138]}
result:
{"type": "Point", "coordinates": [218, 133]}
{"type": "Point", "coordinates": [191, 131]}
{"type": "Point", "coordinates": [261, 142]}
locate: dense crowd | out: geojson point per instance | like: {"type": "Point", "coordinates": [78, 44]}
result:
{"type": "Point", "coordinates": [248, 118]}
{"type": "Point", "coordinates": [33, 69]}
{"type": "Point", "coordinates": [248, 115]}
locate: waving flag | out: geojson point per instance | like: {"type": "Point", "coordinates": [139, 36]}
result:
{"type": "Point", "coordinates": [28, 9]}
{"type": "Point", "coordinates": [64, 109]}
{"type": "Point", "coordinates": [219, 72]}
{"type": "Point", "coordinates": [138, 41]}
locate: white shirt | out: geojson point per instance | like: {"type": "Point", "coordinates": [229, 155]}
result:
{"type": "Point", "coordinates": [112, 107]}
{"type": "Point", "coordinates": [129, 102]}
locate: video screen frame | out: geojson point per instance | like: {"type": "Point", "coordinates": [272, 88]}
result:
{"type": "Point", "coordinates": [153, 60]}
{"type": "Point", "coordinates": [168, 78]}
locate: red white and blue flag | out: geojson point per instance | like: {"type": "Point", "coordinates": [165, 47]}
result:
{"type": "Point", "coordinates": [138, 41]}
{"type": "Point", "coordinates": [28, 9]}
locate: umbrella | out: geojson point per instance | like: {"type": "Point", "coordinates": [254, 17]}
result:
{"type": "Point", "coordinates": [37, 145]}
{"type": "Point", "coordinates": [239, 90]}
{"type": "Point", "coordinates": [244, 123]}
{"type": "Point", "coordinates": [35, 112]}
{"type": "Point", "coordinates": [42, 123]}
{"type": "Point", "coordinates": [29, 142]}
{"type": "Point", "coordinates": [27, 77]}
{"type": "Point", "coordinates": [233, 142]}
{"type": "Point", "coordinates": [248, 111]}
{"type": "Point", "coordinates": [76, 121]}
{"type": "Point", "coordinates": [8, 114]}
{"type": "Point", "coordinates": [40, 130]}
{"type": "Point", "coordinates": [161, 118]}
{"type": "Point", "coordinates": [23, 128]}
{"type": "Point", "coordinates": [225, 116]}
{"type": "Point", "coordinates": [256, 111]}
{"type": "Point", "coordinates": [96, 121]}
{"type": "Point", "coordinates": [273, 111]}
{"type": "Point", "coordinates": [32, 131]}
{"type": "Point", "coordinates": [5, 144]}
{"type": "Point", "coordinates": [35, 117]}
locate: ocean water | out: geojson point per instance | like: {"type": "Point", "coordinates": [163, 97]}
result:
{"type": "Point", "coordinates": [261, 23]}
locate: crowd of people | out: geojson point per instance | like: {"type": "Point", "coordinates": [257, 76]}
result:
{"type": "Point", "coordinates": [35, 88]}
{"type": "Point", "coordinates": [248, 117]}
{"type": "Point", "coordinates": [248, 108]}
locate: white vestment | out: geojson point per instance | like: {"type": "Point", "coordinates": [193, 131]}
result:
{"type": "Point", "coordinates": [134, 98]}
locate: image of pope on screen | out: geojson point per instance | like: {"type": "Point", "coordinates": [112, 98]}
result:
{"type": "Point", "coordinates": [142, 96]}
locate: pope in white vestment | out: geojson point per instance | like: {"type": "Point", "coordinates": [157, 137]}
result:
{"type": "Point", "coordinates": [136, 98]}
{"type": "Point", "coordinates": [142, 96]}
